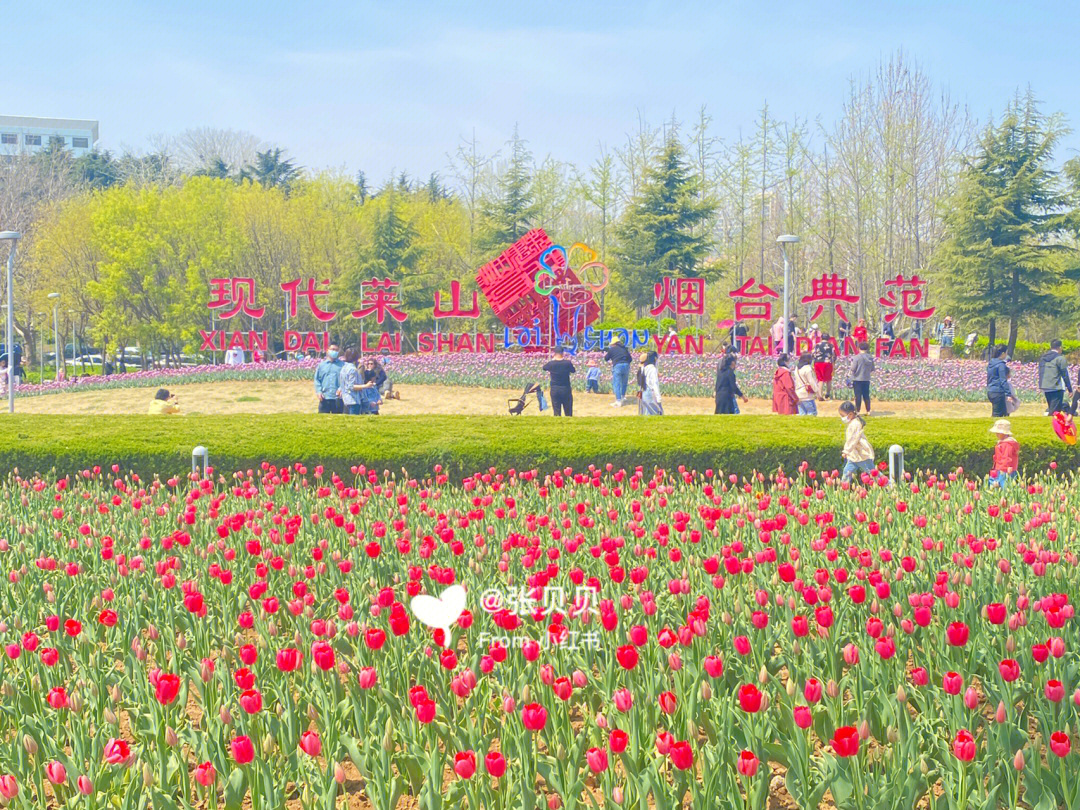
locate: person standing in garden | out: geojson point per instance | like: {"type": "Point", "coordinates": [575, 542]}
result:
{"type": "Point", "coordinates": [858, 453]}
{"type": "Point", "coordinates": [806, 386]}
{"type": "Point", "coordinates": [861, 334]}
{"type": "Point", "coordinates": [349, 381]}
{"type": "Point", "coordinates": [997, 381]}
{"type": "Point", "coordinates": [727, 387]}
{"type": "Point", "coordinates": [562, 395]}
{"type": "Point", "coordinates": [592, 378]}
{"type": "Point", "coordinates": [1054, 377]}
{"type": "Point", "coordinates": [862, 368]}
{"type": "Point", "coordinates": [328, 381]}
{"type": "Point", "coordinates": [784, 401]}
{"type": "Point", "coordinates": [649, 382]}
{"type": "Point", "coordinates": [824, 357]}
{"type": "Point", "coordinates": [1006, 455]}
{"type": "Point", "coordinates": [619, 357]}
{"type": "Point", "coordinates": [947, 332]}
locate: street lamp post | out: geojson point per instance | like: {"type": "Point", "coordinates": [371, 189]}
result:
{"type": "Point", "coordinates": [41, 347]}
{"type": "Point", "coordinates": [71, 317]}
{"type": "Point", "coordinates": [56, 331]}
{"type": "Point", "coordinates": [784, 240]}
{"type": "Point", "coordinates": [13, 237]}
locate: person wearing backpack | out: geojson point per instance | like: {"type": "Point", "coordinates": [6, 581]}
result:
{"type": "Point", "coordinates": [1054, 377]}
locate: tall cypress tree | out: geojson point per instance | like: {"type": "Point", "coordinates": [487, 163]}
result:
{"type": "Point", "coordinates": [509, 215]}
{"type": "Point", "coordinates": [660, 234]}
{"type": "Point", "coordinates": [1008, 209]}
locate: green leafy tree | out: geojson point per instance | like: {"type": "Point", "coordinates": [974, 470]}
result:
{"type": "Point", "coordinates": [660, 233]}
{"type": "Point", "coordinates": [1005, 258]}
{"type": "Point", "coordinates": [510, 213]}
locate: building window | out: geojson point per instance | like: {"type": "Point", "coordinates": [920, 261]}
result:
{"type": "Point", "coordinates": [32, 140]}
{"type": "Point", "coordinates": [80, 143]}
{"type": "Point", "coordinates": [9, 138]}
{"type": "Point", "coordinates": [57, 141]}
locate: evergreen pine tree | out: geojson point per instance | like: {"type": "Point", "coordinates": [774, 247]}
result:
{"type": "Point", "coordinates": [510, 214]}
{"type": "Point", "coordinates": [1001, 257]}
{"type": "Point", "coordinates": [660, 233]}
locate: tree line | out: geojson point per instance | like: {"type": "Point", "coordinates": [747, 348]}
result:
{"type": "Point", "coordinates": [903, 182]}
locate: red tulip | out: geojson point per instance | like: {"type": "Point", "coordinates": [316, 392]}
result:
{"type": "Point", "coordinates": [495, 763]}
{"type": "Point", "coordinates": [205, 774]}
{"type": "Point", "coordinates": [534, 717]}
{"type": "Point", "coordinates": [1009, 669]}
{"type": "Point", "coordinates": [845, 741]}
{"type": "Point", "coordinates": [952, 683]}
{"type": "Point", "coordinates": [465, 764]}
{"type": "Point", "coordinates": [803, 716]}
{"type": "Point", "coordinates": [243, 751]}
{"type": "Point", "coordinates": [627, 656]}
{"type": "Point", "coordinates": [251, 701]}
{"type": "Point", "coordinates": [957, 634]}
{"type": "Point", "coordinates": [749, 698]}
{"type": "Point", "coordinates": [1060, 743]}
{"type": "Point", "coordinates": [117, 752]}
{"type": "Point", "coordinates": [9, 788]}
{"type": "Point", "coordinates": [1054, 691]}
{"type": "Point", "coordinates": [667, 702]}
{"type": "Point", "coordinates": [597, 760]}
{"type": "Point", "coordinates": [964, 746]}
{"type": "Point", "coordinates": [747, 764]}
{"type": "Point", "coordinates": [682, 755]}
{"type": "Point", "coordinates": [323, 655]}
{"type": "Point", "coordinates": [167, 688]}
{"type": "Point", "coordinates": [55, 772]}
{"type": "Point", "coordinates": [289, 659]}
{"type": "Point", "coordinates": [618, 741]}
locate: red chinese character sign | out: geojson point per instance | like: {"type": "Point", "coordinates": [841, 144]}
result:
{"type": "Point", "coordinates": [682, 296]}
{"type": "Point", "coordinates": [380, 300]}
{"type": "Point", "coordinates": [234, 295]}
{"type": "Point", "coordinates": [911, 294]}
{"type": "Point", "coordinates": [753, 301]}
{"type": "Point", "coordinates": [829, 289]}
{"type": "Point", "coordinates": [532, 284]}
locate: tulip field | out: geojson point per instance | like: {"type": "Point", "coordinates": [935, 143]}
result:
{"type": "Point", "coordinates": [680, 375]}
{"type": "Point", "coordinates": [639, 638]}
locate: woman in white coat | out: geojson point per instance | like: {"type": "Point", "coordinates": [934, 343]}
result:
{"type": "Point", "coordinates": [649, 383]}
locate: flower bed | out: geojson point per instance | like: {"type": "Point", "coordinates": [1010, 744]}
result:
{"type": "Point", "coordinates": [631, 638]}
{"type": "Point", "coordinates": [894, 380]}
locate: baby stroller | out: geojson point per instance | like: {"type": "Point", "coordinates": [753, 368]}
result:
{"type": "Point", "coordinates": [518, 405]}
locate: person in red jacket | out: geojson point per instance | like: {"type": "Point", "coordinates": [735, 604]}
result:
{"type": "Point", "coordinates": [784, 400]}
{"type": "Point", "coordinates": [1006, 455]}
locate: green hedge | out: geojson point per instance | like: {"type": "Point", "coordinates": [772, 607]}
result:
{"type": "Point", "coordinates": [463, 445]}
{"type": "Point", "coordinates": [1026, 351]}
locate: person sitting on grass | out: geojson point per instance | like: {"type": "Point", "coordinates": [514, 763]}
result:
{"type": "Point", "coordinates": [1006, 455]}
{"type": "Point", "coordinates": [858, 453]}
{"type": "Point", "coordinates": [164, 402]}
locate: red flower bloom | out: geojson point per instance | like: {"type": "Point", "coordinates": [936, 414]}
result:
{"type": "Point", "coordinates": [750, 698]}
{"type": "Point", "coordinates": [534, 717]}
{"type": "Point", "coordinates": [747, 764]}
{"type": "Point", "coordinates": [1009, 669]}
{"type": "Point", "coordinates": [243, 751]}
{"type": "Point", "coordinates": [845, 741]}
{"type": "Point", "coordinates": [964, 746]}
{"type": "Point", "coordinates": [167, 688]}
{"type": "Point", "coordinates": [682, 755]}
{"type": "Point", "coordinates": [957, 634]}
{"type": "Point", "coordinates": [495, 764]}
{"type": "Point", "coordinates": [1060, 743]}
{"type": "Point", "coordinates": [465, 764]}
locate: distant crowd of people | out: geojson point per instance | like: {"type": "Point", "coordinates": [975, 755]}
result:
{"type": "Point", "coordinates": [1052, 377]}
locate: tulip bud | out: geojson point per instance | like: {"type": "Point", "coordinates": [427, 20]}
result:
{"type": "Point", "coordinates": [181, 641]}
{"type": "Point", "coordinates": [971, 698]}
{"type": "Point", "coordinates": [388, 736]}
{"type": "Point", "coordinates": [115, 694]}
{"type": "Point", "coordinates": [796, 648]}
{"type": "Point", "coordinates": [226, 716]}
{"type": "Point", "coordinates": [790, 689]}
{"type": "Point", "coordinates": [706, 690]}
{"type": "Point", "coordinates": [892, 735]}
{"type": "Point", "coordinates": [560, 753]}
{"type": "Point", "coordinates": [171, 739]}
{"type": "Point", "coordinates": [617, 794]}
{"type": "Point", "coordinates": [339, 773]}
{"type": "Point", "coordinates": [601, 721]}
{"type": "Point", "coordinates": [901, 694]}
{"type": "Point", "coordinates": [30, 744]}
{"type": "Point", "coordinates": [7, 690]}
{"type": "Point", "coordinates": [110, 716]}
{"type": "Point", "coordinates": [999, 715]}
{"type": "Point", "coordinates": [763, 676]}
{"type": "Point", "coordinates": [924, 769]}
{"type": "Point", "coordinates": [268, 744]}
{"type": "Point", "coordinates": [312, 713]}
{"type": "Point", "coordinates": [831, 689]}
{"type": "Point", "coordinates": [765, 702]}
{"type": "Point", "coordinates": [147, 775]}
{"type": "Point", "coordinates": [1010, 644]}
{"type": "Point", "coordinates": [1018, 760]}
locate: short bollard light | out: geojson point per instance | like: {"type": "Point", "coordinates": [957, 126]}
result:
{"type": "Point", "coordinates": [896, 464]}
{"type": "Point", "coordinates": [198, 453]}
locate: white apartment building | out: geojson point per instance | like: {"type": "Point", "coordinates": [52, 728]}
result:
{"type": "Point", "coordinates": [21, 134]}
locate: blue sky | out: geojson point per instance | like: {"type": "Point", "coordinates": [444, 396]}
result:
{"type": "Point", "coordinates": [394, 85]}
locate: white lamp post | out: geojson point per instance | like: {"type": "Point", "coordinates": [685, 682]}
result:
{"type": "Point", "coordinates": [784, 240]}
{"type": "Point", "coordinates": [56, 331]}
{"type": "Point", "coordinates": [41, 346]}
{"type": "Point", "coordinates": [71, 317]}
{"type": "Point", "coordinates": [13, 237]}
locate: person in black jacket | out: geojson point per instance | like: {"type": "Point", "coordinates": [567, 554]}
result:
{"type": "Point", "coordinates": [997, 381]}
{"type": "Point", "coordinates": [727, 388]}
{"type": "Point", "coordinates": [562, 395]}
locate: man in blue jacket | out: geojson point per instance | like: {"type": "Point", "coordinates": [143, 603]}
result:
{"type": "Point", "coordinates": [327, 385]}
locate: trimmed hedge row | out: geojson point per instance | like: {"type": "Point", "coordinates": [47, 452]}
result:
{"type": "Point", "coordinates": [463, 445]}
